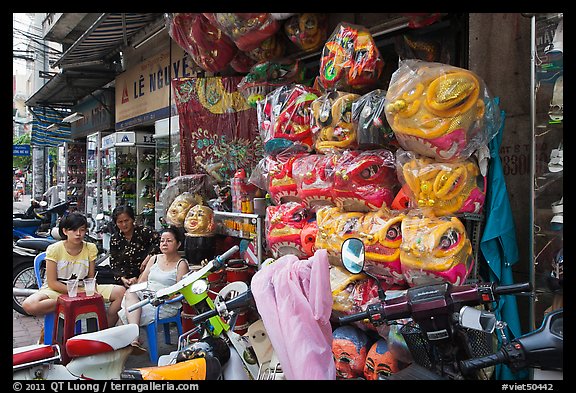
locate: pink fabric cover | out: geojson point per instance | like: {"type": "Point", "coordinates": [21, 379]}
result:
{"type": "Point", "coordinates": [294, 299]}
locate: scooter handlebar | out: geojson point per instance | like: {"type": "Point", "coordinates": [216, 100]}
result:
{"type": "Point", "coordinates": [219, 260]}
{"type": "Point", "coordinates": [242, 300]}
{"type": "Point", "coordinates": [512, 288]}
{"type": "Point", "coordinates": [469, 365]}
{"type": "Point", "coordinates": [141, 303]}
{"type": "Point", "coordinates": [354, 317]}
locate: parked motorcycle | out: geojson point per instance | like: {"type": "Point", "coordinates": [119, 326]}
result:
{"type": "Point", "coordinates": [441, 336]}
{"type": "Point", "coordinates": [213, 322]}
{"type": "Point", "coordinates": [98, 355]}
{"type": "Point", "coordinates": [37, 224]}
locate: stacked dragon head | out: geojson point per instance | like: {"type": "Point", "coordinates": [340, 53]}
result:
{"type": "Point", "coordinates": [440, 111]}
{"type": "Point", "coordinates": [350, 59]}
{"type": "Point", "coordinates": [284, 225]}
{"type": "Point", "coordinates": [434, 249]}
{"type": "Point", "coordinates": [247, 30]}
{"type": "Point", "coordinates": [332, 125]}
{"type": "Point", "coordinates": [314, 177]}
{"type": "Point", "coordinates": [365, 180]}
{"type": "Point", "coordinates": [446, 188]}
{"type": "Point", "coordinates": [281, 183]}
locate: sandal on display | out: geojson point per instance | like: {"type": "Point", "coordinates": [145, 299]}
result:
{"type": "Point", "coordinates": [556, 163]}
{"type": "Point", "coordinates": [557, 221]}
{"type": "Point", "coordinates": [556, 111]}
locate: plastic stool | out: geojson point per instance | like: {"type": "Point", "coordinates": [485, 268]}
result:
{"type": "Point", "coordinates": [71, 309]}
{"type": "Point", "coordinates": [151, 329]}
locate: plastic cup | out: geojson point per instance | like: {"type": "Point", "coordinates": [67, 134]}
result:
{"type": "Point", "coordinates": [72, 286]}
{"type": "Point", "coordinates": [89, 286]}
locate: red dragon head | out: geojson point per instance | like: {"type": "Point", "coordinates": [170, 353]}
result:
{"type": "Point", "coordinates": [284, 224]}
{"type": "Point", "coordinates": [314, 177]}
{"type": "Point", "coordinates": [281, 184]}
{"type": "Point", "coordinates": [366, 180]}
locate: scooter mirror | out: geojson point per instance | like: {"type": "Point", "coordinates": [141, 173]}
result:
{"type": "Point", "coordinates": [473, 318]}
{"type": "Point", "coordinates": [353, 255]}
{"type": "Point", "coordinates": [100, 216]}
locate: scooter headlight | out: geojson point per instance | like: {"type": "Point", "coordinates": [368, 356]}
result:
{"type": "Point", "coordinates": [199, 287]}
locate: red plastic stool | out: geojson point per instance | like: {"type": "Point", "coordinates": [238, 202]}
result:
{"type": "Point", "coordinates": [69, 310]}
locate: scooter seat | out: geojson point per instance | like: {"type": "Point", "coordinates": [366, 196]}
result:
{"type": "Point", "coordinates": [26, 222]}
{"type": "Point", "coordinates": [32, 353]}
{"type": "Point", "coordinates": [106, 340]}
{"type": "Point", "coordinates": [38, 243]}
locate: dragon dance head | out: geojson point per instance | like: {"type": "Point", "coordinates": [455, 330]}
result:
{"type": "Point", "coordinates": [308, 30]}
{"type": "Point", "coordinates": [440, 111]}
{"type": "Point", "coordinates": [446, 188]}
{"type": "Point", "coordinates": [284, 224]}
{"type": "Point", "coordinates": [308, 238]}
{"type": "Point", "coordinates": [292, 116]}
{"type": "Point", "coordinates": [373, 129]}
{"type": "Point", "coordinates": [365, 180]}
{"type": "Point", "coordinates": [314, 177]}
{"type": "Point", "coordinates": [350, 58]}
{"type": "Point", "coordinates": [380, 232]}
{"type": "Point", "coordinates": [209, 47]}
{"type": "Point", "coordinates": [272, 47]}
{"type": "Point", "coordinates": [281, 183]}
{"type": "Point", "coordinates": [434, 249]}
{"type": "Point", "coordinates": [268, 75]}
{"type": "Point", "coordinates": [332, 125]}
{"type": "Point", "coordinates": [247, 30]}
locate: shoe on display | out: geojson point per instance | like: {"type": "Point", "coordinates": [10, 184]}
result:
{"type": "Point", "coordinates": [146, 174]}
{"type": "Point", "coordinates": [557, 222]}
{"type": "Point", "coordinates": [557, 44]}
{"type": "Point", "coordinates": [556, 111]}
{"type": "Point", "coordinates": [556, 163]}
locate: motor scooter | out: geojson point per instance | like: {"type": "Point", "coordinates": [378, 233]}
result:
{"type": "Point", "coordinates": [98, 355]}
{"type": "Point", "coordinates": [35, 224]}
{"type": "Point", "coordinates": [438, 334]}
{"type": "Point", "coordinates": [214, 319]}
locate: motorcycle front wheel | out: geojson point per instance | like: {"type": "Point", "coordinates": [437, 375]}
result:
{"type": "Point", "coordinates": [23, 276]}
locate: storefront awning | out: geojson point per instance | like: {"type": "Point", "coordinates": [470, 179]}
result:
{"type": "Point", "coordinates": [110, 31]}
{"type": "Point", "coordinates": [87, 65]}
{"type": "Point", "coordinates": [44, 117]}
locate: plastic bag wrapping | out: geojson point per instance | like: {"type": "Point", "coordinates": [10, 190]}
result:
{"type": "Point", "coordinates": [350, 59]}
{"type": "Point", "coordinates": [199, 221]}
{"type": "Point", "coordinates": [209, 47]}
{"type": "Point", "coordinates": [271, 48]}
{"type": "Point", "coordinates": [380, 231]}
{"type": "Point", "coordinates": [373, 129]}
{"type": "Point", "coordinates": [332, 125]}
{"type": "Point", "coordinates": [242, 63]}
{"type": "Point", "coordinates": [283, 225]}
{"type": "Point", "coordinates": [434, 249]}
{"type": "Point", "coordinates": [265, 76]}
{"type": "Point", "coordinates": [440, 111]}
{"type": "Point", "coordinates": [294, 299]}
{"type": "Point", "coordinates": [281, 183]}
{"type": "Point", "coordinates": [314, 178]}
{"type": "Point", "coordinates": [308, 31]}
{"type": "Point", "coordinates": [285, 118]}
{"type": "Point", "coordinates": [445, 187]}
{"type": "Point", "coordinates": [188, 184]}
{"type": "Point", "coordinates": [365, 180]}
{"type": "Point", "coordinates": [247, 30]}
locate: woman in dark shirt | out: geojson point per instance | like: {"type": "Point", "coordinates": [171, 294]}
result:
{"type": "Point", "coordinates": [131, 246]}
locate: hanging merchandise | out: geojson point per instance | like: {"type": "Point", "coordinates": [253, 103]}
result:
{"type": "Point", "coordinates": [365, 180]}
{"type": "Point", "coordinates": [373, 129]}
{"type": "Point", "coordinates": [446, 188]}
{"type": "Point", "coordinates": [263, 77]}
{"type": "Point", "coordinates": [247, 30]}
{"type": "Point", "coordinates": [434, 249]}
{"type": "Point", "coordinates": [350, 59]}
{"type": "Point", "coordinates": [314, 178]}
{"type": "Point", "coordinates": [271, 48]}
{"type": "Point", "coordinates": [281, 182]}
{"type": "Point", "coordinates": [307, 31]}
{"type": "Point", "coordinates": [284, 224]}
{"type": "Point", "coordinates": [440, 111]}
{"type": "Point", "coordinates": [241, 63]}
{"type": "Point", "coordinates": [332, 125]}
{"type": "Point", "coordinates": [209, 47]}
{"type": "Point", "coordinates": [217, 125]}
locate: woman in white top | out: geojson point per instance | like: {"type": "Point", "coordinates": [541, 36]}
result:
{"type": "Point", "coordinates": [162, 270]}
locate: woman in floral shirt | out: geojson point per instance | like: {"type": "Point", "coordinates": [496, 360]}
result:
{"type": "Point", "coordinates": [131, 246]}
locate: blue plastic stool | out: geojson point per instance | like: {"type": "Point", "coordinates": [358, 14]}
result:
{"type": "Point", "coordinates": [49, 319]}
{"type": "Point", "coordinates": [151, 329]}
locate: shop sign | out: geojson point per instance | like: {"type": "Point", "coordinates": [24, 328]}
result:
{"type": "Point", "coordinates": [98, 115]}
{"type": "Point", "coordinates": [143, 92]}
{"type": "Point", "coordinates": [128, 138]}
